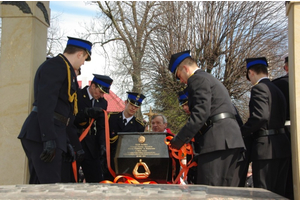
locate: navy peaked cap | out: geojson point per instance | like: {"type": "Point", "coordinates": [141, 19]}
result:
{"type": "Point", "coordinates": [135, 99]}
{"type": "Point", "coordinates": [103, 82]}
{"type": "Point", "coordinates": [176, 59]}
{"type": "Point", "coordinates": [83, 44]}
{"type": "Point", "coordinates": [183, 97]}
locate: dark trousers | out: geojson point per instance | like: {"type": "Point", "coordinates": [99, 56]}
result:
{"type": "Point", "coordinates": [217, 168]}
{"type": "Point", "coordinates": [67, 175]}
{"type": "Point", "coordinates": [42, 172]}
{"type": "Point", "coordinates": [243, 163]}
{"type": "Point", "coordinates": [271, 174]}
{"type": "Point", "coordinates": [91, 168]}
{"type": "Point", "coordinates": [289, 190]}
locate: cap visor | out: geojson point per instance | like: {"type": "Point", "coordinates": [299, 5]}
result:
{"type": "Point", "coordinates": [89, 56]}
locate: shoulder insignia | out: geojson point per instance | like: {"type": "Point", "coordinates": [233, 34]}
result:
{"type": "Point", "coordinates": [112, 113]}
{"type": "Point", "coordinates": [140, 121]}
{"type": "Point", "coordinates": [114, 139]}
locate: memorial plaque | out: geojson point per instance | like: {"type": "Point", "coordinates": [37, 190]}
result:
{"type": "Point", "coordinates": [143, 156]}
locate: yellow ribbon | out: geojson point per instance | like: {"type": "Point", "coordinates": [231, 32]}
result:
{"type": "Point", "coordinates": [73, 97]}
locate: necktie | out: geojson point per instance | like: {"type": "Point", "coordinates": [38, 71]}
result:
{"type": "Point", "coordinates": [92, 101]}
{"type": "Point", "coordinates": [124, 122]}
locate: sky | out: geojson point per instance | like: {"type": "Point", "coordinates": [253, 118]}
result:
{"type": "Point", "coordinates": [72, 17]}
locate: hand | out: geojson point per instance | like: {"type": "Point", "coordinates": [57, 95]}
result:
{"type": "Point", "coordinates": [49, 150]}
{"type": "Point", "coordinates": [69, 156]}
{"type": "Point", "coordinates": [94, 112]}
{"type": "Point", "coordinates": [176, 143]}
{"type": "Point", "coordinates": [80, 155]}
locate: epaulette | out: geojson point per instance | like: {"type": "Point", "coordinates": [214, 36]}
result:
{"type": "Point", "coordinates": [140, 121]}
{"type": "Point", "coordinates": [112, 113]}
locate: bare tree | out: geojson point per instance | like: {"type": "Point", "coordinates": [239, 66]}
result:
{"type": "Point", "coordinates": [129, 24]}
{"type": "Point", "coordinates": [220, 36]}
{"type": "Point", "coordinates": [55, 37]}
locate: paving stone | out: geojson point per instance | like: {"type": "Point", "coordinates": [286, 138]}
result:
{"type": "Point", "coordinates": [130, 191]}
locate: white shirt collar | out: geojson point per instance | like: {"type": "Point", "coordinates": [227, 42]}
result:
{"type": "Point", "coordinates": [90, 96]}
{"type": "Point", "coordinates": [195, 70]}
{"type": "Point", "coordinates": [127, 119]}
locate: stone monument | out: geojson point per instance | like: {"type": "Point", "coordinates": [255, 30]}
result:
{"type": "Point", "coordinates": [23, 49]}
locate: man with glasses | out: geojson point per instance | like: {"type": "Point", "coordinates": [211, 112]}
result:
{"type": "Point", "coordinates": [212, 118]}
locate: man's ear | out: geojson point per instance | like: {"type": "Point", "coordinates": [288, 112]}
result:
{"type": "Point", "coordinates": [79, 54]}
{"type": "Point", "coordinates": [186, 68]}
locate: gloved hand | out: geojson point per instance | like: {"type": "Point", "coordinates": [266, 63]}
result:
{"type": "Point", "coordinates": [49, 150]}
{"type": "Point", "coordinates": [69, 156]}
{"type": "Point", "coordinates": [80, 155]}
{"type": "Point", "coordinates": [94, 112]}
{"type": "Point", "coordinates": [176, 143]}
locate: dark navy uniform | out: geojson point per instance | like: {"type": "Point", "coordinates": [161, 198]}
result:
{"type": "Point", "coordinates": [283, 84]}
{"type": "Point", "coordinates": [212, 113]}
{"type": "Point", "coordinates": [50, 97]}
{"type": "Point", "coordinates": [91, 164]}
{"type": "Point", "coordinates": [43, 134]}
{"type": "Point", "coordinates": [116, 124]}
{"type": "Point", "coordinates": [270, 150]}
{"type": "Point", "coordinates": [94, 142]}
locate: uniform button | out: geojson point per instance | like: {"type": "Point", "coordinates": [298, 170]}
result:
{"type": "Point", "coordinates": [44, 135]}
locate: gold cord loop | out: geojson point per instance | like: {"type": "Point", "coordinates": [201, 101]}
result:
{"type": "Point", "coordinates": [73, 97]}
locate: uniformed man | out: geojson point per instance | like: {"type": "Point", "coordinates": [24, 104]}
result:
{"type": "Point", "coordinates": [213, 114]}
{"type": "Point", "coordinates": [270, 150]}
{"type": "Point", "coordinates": [124, 121]}
{"type": "Point", "coordinates": [43, 135]}
{"type": "Point", "coordinates": [90, 104]}
{"type": "Point", "coordinates": [283, 84]}
{"type": "Point", "coordinates": [183, 101]}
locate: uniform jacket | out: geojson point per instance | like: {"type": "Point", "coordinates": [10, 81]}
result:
{"type": "Point", "coordinates": [208, 97]}
{"type": "Point", "coordinates": [50, 95]}
{"type": "Point", "coordinates": [116, 125]}
{"type": "Point", "coordinates": [96, 137]}
{"type": "Point", "coordinates": [267, 111]}
{"type": "Point", "coordinates": [283, 84]}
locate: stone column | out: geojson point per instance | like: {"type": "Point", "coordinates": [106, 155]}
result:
{"type": "Point", "coordinates": [23, 49]}
{"type": "Point", "coordinates": [293, 13]}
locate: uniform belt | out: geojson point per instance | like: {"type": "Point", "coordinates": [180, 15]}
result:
{"type": "Point", "coordinates": [214, 119]}
{"type": "Point", "coordinates": [56, 116]}
{"type": "Point", "coordinates": [269, 132]}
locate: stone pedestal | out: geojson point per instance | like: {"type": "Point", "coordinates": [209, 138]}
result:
{"type": "Point", "coordinates": [23, 49]}
{"type": "Point", "coordinates": [293, 13]}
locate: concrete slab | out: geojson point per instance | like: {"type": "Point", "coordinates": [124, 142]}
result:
{"type": "Point", "coordinates": [131, 191]}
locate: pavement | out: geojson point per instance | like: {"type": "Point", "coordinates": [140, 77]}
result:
{"type": "Point", "coordinates": [131, 191]}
